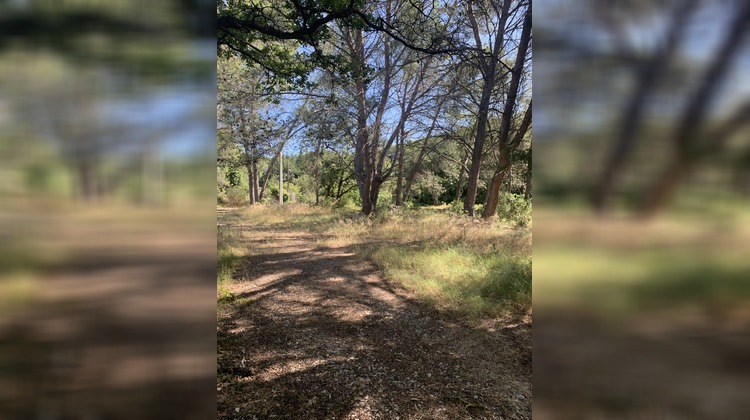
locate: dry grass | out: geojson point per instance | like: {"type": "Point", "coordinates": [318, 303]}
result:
{"type": "Point", "coordinates": [454, 263]}
{"type": "Point", "coordinates": [628, 267]}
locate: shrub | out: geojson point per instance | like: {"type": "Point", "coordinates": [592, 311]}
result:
{"type": "Point", "coordinates": [234, 177]}
{"type": "Point", "coordinates": [275, 194]}
{"type": "Point", "coordinates": [385, 203]}
{"type": "Point", "coordinates": [348, 200]}
{"type": "Point", "coordinates": [514, 208]}
{"type": "Point", "coordinates": [457, 207]}
{"type": "Point", "coordinates": [236, 196]}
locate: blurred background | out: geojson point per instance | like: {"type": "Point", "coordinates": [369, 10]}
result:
{"type": "Point", "coordinates": [107, 216]}
{"type": "Point", "coordinates": [642, 174]}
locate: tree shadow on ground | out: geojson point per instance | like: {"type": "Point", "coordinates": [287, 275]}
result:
{"type": "Point", "coordinates": [660, 366]}
{"type": "Point", "coordinates": [315, 334]}
{"type": "Point", "coordinates": [114, 335]}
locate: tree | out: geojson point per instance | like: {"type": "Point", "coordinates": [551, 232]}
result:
{"type": "Point", "coordinates": [686, 135]}
{"type": "Point", "coordinates": [247, 113]}
{"type": "Point", "coordinates": [390, 86]}
{"type": "Point", "coordinates": [507, 144]}
{"type": "Point", "coordinates": [268, 33]}
{"type": "Point", "coordinates": [649, 72]}
{"type": "Point", "coordinates": [679, 112]}
{"type": "Point", "coordinates": [499, 16]}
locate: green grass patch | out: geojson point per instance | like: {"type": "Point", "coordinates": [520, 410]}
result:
{"type": "Point", "coordinates": [621, 283]}
{"type": "Point", "coordinates": [225, 297]}
{"type": "Point", "coordinates": [458, 279]}
{"type": "Point", "coordinates": [230, 253]}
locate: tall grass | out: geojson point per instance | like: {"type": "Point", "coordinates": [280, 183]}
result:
{"type": "Point", "coordinates": [621, 267]}
{"type": "Point", "coordinates": [459, 279]}
{"type": "Point", "coordinates": [230, 253]}
{"type": "Point", "coordinates": [452, 262]}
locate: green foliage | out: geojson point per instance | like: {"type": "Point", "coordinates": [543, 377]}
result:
{"type": "Point", "coordinates": [225, 296]}
{"type": "Point", "coordinates": [508, 280]}
{"type": "Point", "coordinates": [348, 200]}
{"type": "Point", "coordinates": [456, 207]}
{"type": "Point", "coordinates": [275, 194]}
{"type": "Point", "coordinates": [431, 187]}
{"type": "Point", "coordinates": [229, 253]}
{"type": "Point", "coordinates": [304, 187]}
{"type": "Point", "coordinates": [252, 29]}
{"type": "Point", "coordinates": [234, 177]}
{"type": "Point", "coordinates": [385, 202]}
{"type": "Point", "coordinates": [459, 279]}
{"type": "Point", "coordinates": [514, 208]}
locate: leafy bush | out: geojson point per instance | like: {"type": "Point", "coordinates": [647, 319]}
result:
{"type": "Point", "coordinates": [350, 199]}
{"type": "Point", "coordinates": [385, 202]}
{"type": "Point", "coordinates": [456, 207]}
{"type": "Point", "coordinates": [275, 194]}
{"type": "Point", "coordinates": [234, 177]}
{"type": "Point", "coordinates": [514, 208]}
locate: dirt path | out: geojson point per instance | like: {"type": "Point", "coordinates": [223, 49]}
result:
{"type": "Point", "coordinates": [312, 332]}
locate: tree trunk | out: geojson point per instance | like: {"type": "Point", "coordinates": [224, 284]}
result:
{"type": "Point", "coordinates": [251, 184]}
{"type": "Point", "coordinates": [493, 193]}
{"type": "Point", "coordinates": [509, 179]}
{"type": "Point", "coordinates": [665, 188]}
{"type": "Point", "coordinates": [362, 162]}
{"type": "Point", "coordinates": [695, 114]}
{"type": "Point", "coordinates": [649, 75]}
{"type": "Point", "coordinates": [490, 75]}
{"type": "Point", "coordinates": [374, 194]}
{"type": "Point", "coordinates": [422, 153]}
{"type": "Point", "coordinates": [476, 155]}
{"type": "Point", "coordinates": [400, 175]}
{"type": "Point", "coordinates": [248, 163]}
{"type": "Point", "coordinates": [506, 144]}
{"type": "Point", "coordinates": [317, 172]}
{"type": "Point", "coordinates": [339, 188]}
{"type": "Point", "coordinates": [269, 171]}
{"type": "Point", "coordinates": [254, 180]}
{"type": "Point", "coordinates": [527, 190]}
{"type": "Point", "coordinates": [460, 179]}
{"type": "Point", "coordinates": [281, 176]}
{"type": "Point", "coordinates": [256, 184]}
{"type": "Point", "coordinates": [86, 181]}
{"type": "Point", "coordinates": [504, 165]}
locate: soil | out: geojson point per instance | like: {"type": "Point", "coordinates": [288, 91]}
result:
{"type": "Point", "coordinates": [313, 332]}
{"type": "Point", "coordinates": [118, 319]}
{"type": "Point", "coordinates": [670, 366]}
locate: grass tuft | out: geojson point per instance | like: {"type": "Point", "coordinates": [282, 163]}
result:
{"type": "Point", "coordinates": [230, 252]}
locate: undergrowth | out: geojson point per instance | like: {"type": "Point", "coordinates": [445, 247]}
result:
{"type": "Point", "coordinates": [453, 262]}
{"type": "Point", "coordinates": [230, 253]}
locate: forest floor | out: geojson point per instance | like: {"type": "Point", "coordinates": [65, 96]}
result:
{"type": "Point", "coordinates": [309, 330]}
{"type": "Point", "coordinates": [641, 320]}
